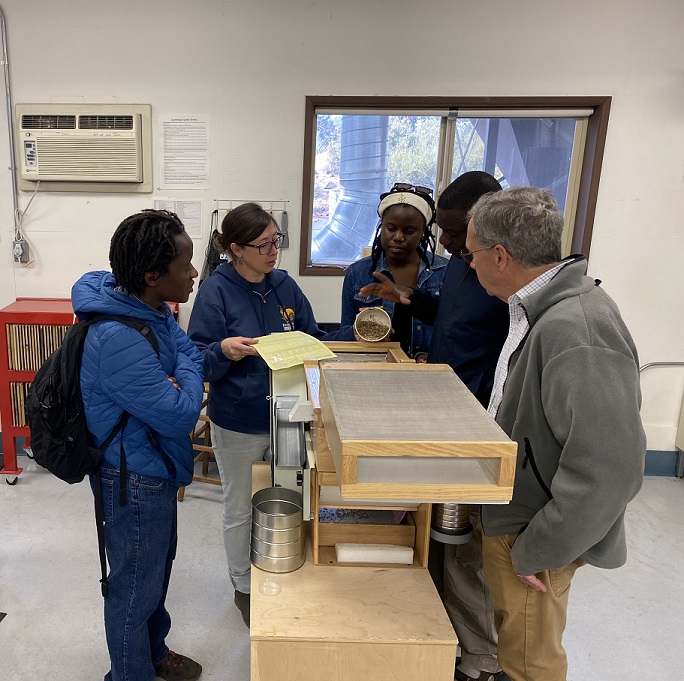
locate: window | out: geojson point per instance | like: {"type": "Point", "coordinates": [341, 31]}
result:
{"type": "Point", "coordinates": [356, 148]}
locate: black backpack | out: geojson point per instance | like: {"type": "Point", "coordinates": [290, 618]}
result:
{"type": "Point", "coordinates": [60, 439]}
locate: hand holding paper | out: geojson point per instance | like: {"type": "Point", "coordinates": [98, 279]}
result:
{"type": "Point", "coordinates": [284, 350]}
{"type": "Point", "coordinates": [238, 347]}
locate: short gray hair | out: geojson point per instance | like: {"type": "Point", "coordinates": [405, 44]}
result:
{"type": "Point", "coordinates": [526, 221]}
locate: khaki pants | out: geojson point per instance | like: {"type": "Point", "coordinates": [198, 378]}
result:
{"type": "Point", "coordinates": [530, 623]}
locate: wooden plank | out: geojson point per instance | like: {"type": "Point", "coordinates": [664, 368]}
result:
{"type": "Point", "coordinates": [385, 366]}
{"type": "Point", "coordinates": [322, 453]}
{"type": "Point", "coordinates": [326, 479]}
{"type": "Point", "coordinates": [277, 660]}
{"type": "Point", "coordinates": [380, 347]}
{"type": "Point", "coordinates": [465, 493]}
{"type": "Point", "coordinates": [467, 449]}
{"type": "Point", "coordinates": [315, 508]}
{"type": "Point", "coordinates": [398, 355]}
{"type": "Point", "coordinates": [332, 434]}
{"type": "Point", "coordinates": [361, 533]}
{"type": "Point", "coordinates": [422, 519]}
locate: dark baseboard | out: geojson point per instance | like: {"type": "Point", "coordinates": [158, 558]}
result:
{"type": "Point", "coordinates": [661, 463]}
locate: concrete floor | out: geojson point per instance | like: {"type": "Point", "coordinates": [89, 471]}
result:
{"type": "Point", "coordinates": [626, 623]}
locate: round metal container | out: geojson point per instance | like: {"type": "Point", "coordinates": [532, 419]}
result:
{"type": "Point", "coordinates": [451, 518]}
{"type": "Point", "coordinates": [267, 534]}
{"type": "Point", "coordinates": [277, 508]}
{"type": "Point", "coordinates": [293, 548]}
{"type": "Point", "coordinates": [372, 324]}
{"type": "Point", "coordinates": [276, 564]}
{"type": "Point", "coordinates": [277, 530]}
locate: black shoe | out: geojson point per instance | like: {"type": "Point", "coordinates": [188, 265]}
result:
{"type": "Point", "coordinates": [242, 602]}
{"type": "Point", "coordinates": [484, 676]}
{"type": "Point", "coordinates": [175, 667]}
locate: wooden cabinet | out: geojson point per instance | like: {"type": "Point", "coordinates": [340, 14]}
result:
{"type": "Point", "coordinates": [30, 330]}
{"type": "Point", "coordinates": [366, 623]}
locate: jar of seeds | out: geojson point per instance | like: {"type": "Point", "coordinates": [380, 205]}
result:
{"type": "Point", "coordinates": [372, 324]}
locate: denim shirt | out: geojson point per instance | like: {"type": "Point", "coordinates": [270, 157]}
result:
{"type": "Point", "coordinates": [358, 275]}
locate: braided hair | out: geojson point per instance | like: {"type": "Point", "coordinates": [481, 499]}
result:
{"type": "Point", "coordinates": [144, 242]}
{"type": "Point", "coordinates": [427, 240]}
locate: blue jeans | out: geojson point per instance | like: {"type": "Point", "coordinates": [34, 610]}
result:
{"type": "Point", "coordinates": [140, 540]}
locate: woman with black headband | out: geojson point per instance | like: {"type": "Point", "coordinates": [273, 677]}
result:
{"type": "Point", "coordinates": [403, 250]}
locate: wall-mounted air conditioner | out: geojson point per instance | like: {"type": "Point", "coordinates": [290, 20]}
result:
{"type": "Point", "coordinates": [84, 147]}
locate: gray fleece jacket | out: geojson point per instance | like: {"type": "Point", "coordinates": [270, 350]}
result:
{"type": "Point", "coordinates": [571, 402]}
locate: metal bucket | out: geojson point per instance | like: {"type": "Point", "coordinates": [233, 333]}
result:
{"type": "Point", "coordinates": [277, 530]}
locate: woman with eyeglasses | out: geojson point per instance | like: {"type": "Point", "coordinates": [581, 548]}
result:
{"type": "Point", "coordinates": [243, 299]}
{"type": "Point", "coordinates": [403, 250]}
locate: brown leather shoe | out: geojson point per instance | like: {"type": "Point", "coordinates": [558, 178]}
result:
{"type": "Point", "coordinates": [175, 667]}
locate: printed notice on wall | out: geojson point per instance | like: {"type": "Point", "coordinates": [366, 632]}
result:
{"type": "Point", "coordinates": [184, 152]}
{"type": "Point", "coordinates": [189, 212]}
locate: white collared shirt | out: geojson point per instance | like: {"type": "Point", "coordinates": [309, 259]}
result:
{"type": "Point", "coordinates": [518, 327]}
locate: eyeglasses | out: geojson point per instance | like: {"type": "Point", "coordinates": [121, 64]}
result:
{"type": "Point", "coordinates": [267, 246]}
{"type": "Point", "coordinates": [468, 255]}
{"type": "Point", "coordinates": [405, 187]}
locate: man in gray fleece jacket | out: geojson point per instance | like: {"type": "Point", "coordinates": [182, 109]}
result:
{"type": "Point", "coordinates": [567, 391]}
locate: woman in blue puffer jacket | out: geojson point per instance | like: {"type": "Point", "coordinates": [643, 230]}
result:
{"type": "Point", "coordinates": [121, 373]}
{"type": "Point", "coordinates": [242, 300]}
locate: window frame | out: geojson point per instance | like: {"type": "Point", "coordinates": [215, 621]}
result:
{"type": "Point", "coordinates": [587, 183]}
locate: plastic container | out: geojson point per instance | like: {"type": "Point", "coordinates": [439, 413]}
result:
{"type": "Point", "coordinates": [372, 324]}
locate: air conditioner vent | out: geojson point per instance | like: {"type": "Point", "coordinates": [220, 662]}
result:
{"type": "Point", "coordinates": [84, 147]}
{"type": "Point", "coordinates": [48, 122]}
{"type": "Point", "coordinates": [105, 122]}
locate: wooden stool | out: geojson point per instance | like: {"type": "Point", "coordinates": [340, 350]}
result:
{"type": "Point", "coordinates": [204, 450]}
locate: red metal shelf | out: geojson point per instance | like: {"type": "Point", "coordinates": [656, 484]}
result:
{"type": "Point", "coordinates": [29, 311]}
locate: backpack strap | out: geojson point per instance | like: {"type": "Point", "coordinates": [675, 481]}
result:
{"type": "Point", "coordinates": [99, 506]}
{"type": "Point", "coordinates": [133, 322]}
{"type": "Point", "coordinates": [99, 521]}
{"type": "Point", "coordinates": [147, 333]}
{"type": "Point", "coordinates": [122, 461]}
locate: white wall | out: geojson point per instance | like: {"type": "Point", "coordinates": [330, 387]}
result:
{"type": "Point", "coordinates": [248, 64]}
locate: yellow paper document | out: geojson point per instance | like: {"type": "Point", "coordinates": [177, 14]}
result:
{"type": "Point", "coordinates": [284, 350]}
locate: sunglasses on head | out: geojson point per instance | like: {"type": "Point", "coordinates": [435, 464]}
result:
{"type": "Point", "coordinates": [416, 188]}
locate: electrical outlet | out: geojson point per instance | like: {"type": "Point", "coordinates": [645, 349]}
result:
{"type": "Point", "coordinates": [20, 251]}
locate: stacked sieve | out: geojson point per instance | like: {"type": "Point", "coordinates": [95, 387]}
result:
{"type": "Point", "coordinates": [277, 530]}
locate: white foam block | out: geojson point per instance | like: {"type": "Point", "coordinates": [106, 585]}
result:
{"type": "Point", "coordinates": [374, 553]}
